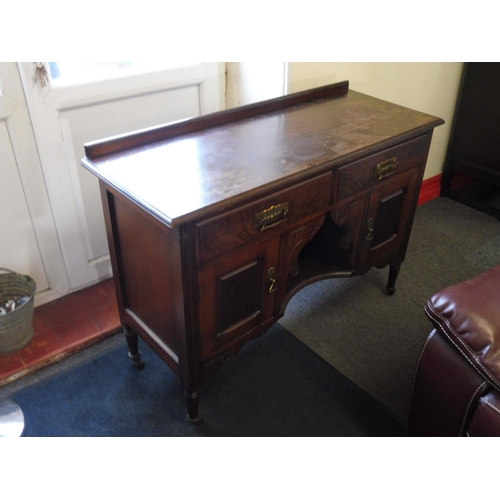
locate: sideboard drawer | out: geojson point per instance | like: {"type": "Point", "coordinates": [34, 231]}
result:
{"type": "Point", "coordinates": [370, 171]}
{"type": "Point", "coordinates": [269, 215]}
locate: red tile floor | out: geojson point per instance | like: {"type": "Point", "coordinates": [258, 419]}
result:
{"type": "Point", "coordinates": [64, 327]}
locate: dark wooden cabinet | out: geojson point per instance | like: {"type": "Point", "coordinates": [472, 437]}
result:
{"type": "Point", "coordinates": [387, 218]}
{"type": "Point", "coordinates": [216, 222]}
{"type": "Point", "coordinates": [237, 294]}
{"type": "Point", "coordinates": [474, 148]}
{"type": "Point", "coordinates": [384, 211]}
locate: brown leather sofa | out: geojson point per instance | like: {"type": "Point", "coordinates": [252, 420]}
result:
{"type": "Point", "coordinates": [456, 387]}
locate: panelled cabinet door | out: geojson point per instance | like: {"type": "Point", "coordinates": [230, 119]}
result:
{"type": "Point", "coordinates": [388, 219]}
{"type": "Point", "coordinates": [237, 294]}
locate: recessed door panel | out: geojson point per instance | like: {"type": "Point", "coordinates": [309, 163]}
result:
{"type": "Point", "coordinates": [238, 296]}
{"type": "Point", "coordinates": [388, 216]}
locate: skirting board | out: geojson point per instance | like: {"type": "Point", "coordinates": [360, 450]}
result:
{"type": "Point", "coordinates": [431, 188]}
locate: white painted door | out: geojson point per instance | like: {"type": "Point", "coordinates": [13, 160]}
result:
{"type": "Point", "coordinates": [28, 238]}
{"type": "Point", "coordinates": [66, 117]}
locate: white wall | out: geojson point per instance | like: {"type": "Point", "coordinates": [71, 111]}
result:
{"type": "Point", "coordinates": [430, 87]}
{"type": "Point", "coordinates": [248, 82]}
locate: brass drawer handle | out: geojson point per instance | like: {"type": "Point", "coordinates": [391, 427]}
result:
{"type": "Point", "coordinates": [272, 216]}
{"type": "Point", "coordinates": [385, 168]}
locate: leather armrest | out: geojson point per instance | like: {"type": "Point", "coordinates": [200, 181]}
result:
{"type": "Point", "coordinates": [445, 391]}
{"type": "Point", "coordinates": [469, 315]}
{"type": "Point", "coordinates": [457, 381]}
{"type": "Point", "coordinates": [486, 419]}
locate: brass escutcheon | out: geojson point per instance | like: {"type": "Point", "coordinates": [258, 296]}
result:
{"type": "Point", "coordinates": [370, 227]}
{"type": "Point", "coordinates": [271, 279]}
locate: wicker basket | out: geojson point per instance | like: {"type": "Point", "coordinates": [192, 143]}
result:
{"type": "Point", "coordinates": [16, 327]}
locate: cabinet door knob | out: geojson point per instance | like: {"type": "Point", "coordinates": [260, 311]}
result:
{"type": "Point", "coordinates": [271, 280]}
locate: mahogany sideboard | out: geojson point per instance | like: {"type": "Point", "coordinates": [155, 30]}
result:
{"type": "Point", "coordinates": [215, 222]}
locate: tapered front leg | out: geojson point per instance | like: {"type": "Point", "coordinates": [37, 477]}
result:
{"type": "Point", "coordinates": [393, 276]}
{"type": "Point", "coordinates": [133, 346]}
{"type": "Point", "coordinates": [192, 407]}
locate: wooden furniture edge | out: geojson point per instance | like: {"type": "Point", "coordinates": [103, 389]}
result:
{"type": "Point", "coordinates": [97, 149]}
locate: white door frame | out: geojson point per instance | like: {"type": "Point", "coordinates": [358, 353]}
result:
{"type": "Point", "coordinates": [14, 111]}
{"type": "Point", "coordinates": [57, 152]}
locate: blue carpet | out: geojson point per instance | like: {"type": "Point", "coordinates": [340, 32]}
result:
{"type": "Point", "coordinates": [275, 387]}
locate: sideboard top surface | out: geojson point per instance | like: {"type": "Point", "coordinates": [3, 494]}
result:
{"type": "Point", "coordinates": [184, 177]}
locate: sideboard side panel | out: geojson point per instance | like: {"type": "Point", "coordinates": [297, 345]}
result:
{"type": "Point", "coordinates": [147, 260]}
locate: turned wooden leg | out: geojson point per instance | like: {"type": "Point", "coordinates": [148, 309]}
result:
{"type": "Point", "coordinates": [133, 347]}
{"type": "Point", "coordinates": [393, 276]}
{"type": "Point", "coordinates": [192, 407]}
